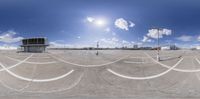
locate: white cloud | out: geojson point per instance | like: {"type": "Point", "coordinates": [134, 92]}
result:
{"type": "Point", "coordinates": [103, 43]}
{"type": "Point", "coordinates": [90, 19]}
{"type": "Point", "coordinates": [125, 42]}
{"type": "Point", "coordinates": [7, 47]}
{"type": "Point", "coordinates": [115, 42]}
{"type": "Point", "coordinates": [123, 24]}
{"type": "Point", "coordinates": [153, 33]}
{"type": "Point", "coordinates": [198, 38]}
{"type": "Point", "coordinates": [78, 37]}
{"type": "Point", "coordinates": [131, 24]}
{"type": "Point", "coordinates": [115, 39]}
{"type": "Point", "coordinates": [56, 44]}
{"type": "Point", "coordinates": [62, 44]}
{"type": "Point", "coordinates": [100, 22]}
{"type": "Point", "coordinates": [109, 42]}
{"type": "Point", "coordinates": [185, 38]}
{"type": "Point", "coordinates": [146, 39]}
{"type": "Point", "coordinates": [132, 42]}
{"type": "Point", "coordinates": [9, 37]}
{"type": "Point", "coordinates": [108, 30]}
{"type": "Point", "coordinates": [139, 43]}
{"type": "Point", "coordinates": [96, 21]}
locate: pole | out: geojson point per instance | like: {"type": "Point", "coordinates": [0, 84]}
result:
{"type": "Point", "coordinates": [158, 57]}
{"type": "Point", "coordinates": [97, 53]}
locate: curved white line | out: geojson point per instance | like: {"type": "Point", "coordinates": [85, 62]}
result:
{"type": "Point", "coordinates": [169, 55]}
{"type": "Point", "coordinates": [17, 63]}
{"type": "Point", "coordinates": [138, 57]}
{"type": "Point", "coordinates": [88, 65]}
{"type": "Point", "coordinates": [37, 63]}
{"type": "Point", "coordinates": [52, 91]}
{"type": "Point", "coordinates": [145, 78]}
{"type": "Point", "coordinates": [59, 90]}
{"type": "Point", "coordinates": [53, 79]}
{"type": "Point", "coordinates": [21, 89]}
{"type": "Point", "coordinates": [163, 58]}
{"type": "Point", "coordinates": [40, 57]}
{"type": "Point", "coordinates": [175, 69]}
{"type": "Point", "coordinates": [197, 60]}
{"type": "Point", "coordinates": [130, 62]}
{"type": "Point", "coordinates": [35, 80]}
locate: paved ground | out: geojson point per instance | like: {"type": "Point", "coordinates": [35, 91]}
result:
{"type": "Point", "coordinates": [113, 74]}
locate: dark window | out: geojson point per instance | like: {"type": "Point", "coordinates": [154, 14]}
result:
{"type": "Point", "coordinates": [24, 42]}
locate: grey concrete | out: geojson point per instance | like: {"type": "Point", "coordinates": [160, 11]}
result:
{"type": "Point", "coordinates": [91, 79]}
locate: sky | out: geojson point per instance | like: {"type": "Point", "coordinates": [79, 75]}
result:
{"type": "Point", "coordinates": [112, 23]}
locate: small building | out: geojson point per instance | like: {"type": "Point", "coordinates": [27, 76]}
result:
{"type": "Point", "coordinates": [135, 46]}
{"type": "Point", "coordinates": [169, 47]}
{"type": "Point", "coordinates": [34, 44]}
{"type": "Point", "coordinates": [166, 48]}
{"type": "Point", "coordinates": [198, 47]}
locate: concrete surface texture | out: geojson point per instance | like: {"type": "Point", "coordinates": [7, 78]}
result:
{"type": "Point", "coordinates": [113, 74]}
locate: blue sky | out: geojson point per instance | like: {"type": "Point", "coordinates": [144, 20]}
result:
{"type": "Point", "coordinates": [111, 22]}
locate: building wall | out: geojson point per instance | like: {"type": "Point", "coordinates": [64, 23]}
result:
{"type": "Point", "coordinates": [35, 49]}
{"type": "Point", "coordinates": [34, 44]}
{"type": "Point", "coordinates": [198, 47]}
{"type": "Point", "coordinates": [165, 48]}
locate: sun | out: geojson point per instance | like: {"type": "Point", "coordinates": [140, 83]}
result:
{"type": "Point", "coordinates": [100, 22]}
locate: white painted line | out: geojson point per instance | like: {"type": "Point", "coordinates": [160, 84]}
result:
{"type": "Point", "coordinates": [62, 60]}
{"type": "Point", "coordinates": [52, 79]}
{"type": "Point", "coordinates": [145, 78]}
{"type": "Point", "coordinates": [175, 69]}
{"type": "Point", "coordinates": [35, 80]}
{"type": "Point", "coordinates": [131, 62]}
{"type": "Point", "coordinates": [197, 60]}
{"type": "Point", "coordinates": [20, 89]}
{"type": "Point", "coordinates": [138, 57]}
{"type": "Point", "coordinates": [17, 63]}
{"type": "Point", "coordinates": [28, 79]}
{"type": "Point", "coordinates": [168, 58]}
{"type": "Point", "coordinates": [64, 89]}
{"type": "Point", "coordinates": [40, 57]}
{"type": "Point", "coordinates": [52, 91]}
{"type": "Point", "coordinates": [167, 55]}
{"type": "Point", "coordinates": [37, 63]}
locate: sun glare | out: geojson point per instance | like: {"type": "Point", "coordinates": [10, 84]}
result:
{"type": "Point", "coordinates": [100, 22]}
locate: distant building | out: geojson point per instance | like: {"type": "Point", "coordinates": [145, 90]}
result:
{"type": "Point", "coordinates": [135, 46]}
{"type": "Point", "coordinates": [198, 47]}
{"type": "Point", "coordinates": [34, 44]}
{"type": "Point", "coordinates": [165, 48]}
{"type": "Point", "coordinates": [145, 48]}
{"type": "Point", "coordinates": [171, 47]}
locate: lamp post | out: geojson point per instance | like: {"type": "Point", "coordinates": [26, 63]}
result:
{"type": "Point", "coordinates": [97, 53]}
{"type": "Point", "coordinates": [158, 44]}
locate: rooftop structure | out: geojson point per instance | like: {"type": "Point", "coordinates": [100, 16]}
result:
{"type": "Point", "coordinates": [34, 44]}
